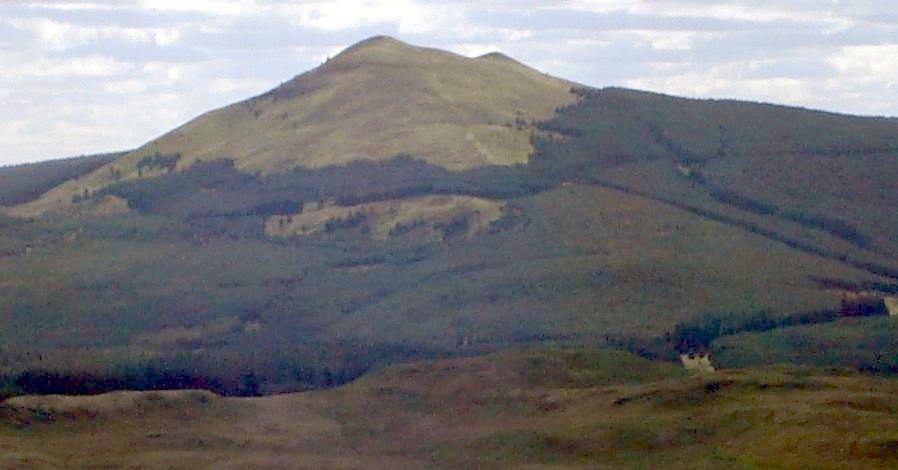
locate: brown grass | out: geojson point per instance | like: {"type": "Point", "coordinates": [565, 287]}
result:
{"type": "Point", "coordinates": [499, 411]}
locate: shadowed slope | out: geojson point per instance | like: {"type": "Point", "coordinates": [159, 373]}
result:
{"type": "Point", "coordinates": [22, 183]}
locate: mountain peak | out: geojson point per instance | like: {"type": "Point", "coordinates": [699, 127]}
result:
{"type": "Point", "coordinates": [377, 49]}
{"type": "Point", "coordinates": [498, 57]}
{"type": "Point", "coordinates": [378, 41]}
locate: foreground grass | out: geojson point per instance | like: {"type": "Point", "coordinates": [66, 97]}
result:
{"type": "Point", "coordinates": [553, 408]}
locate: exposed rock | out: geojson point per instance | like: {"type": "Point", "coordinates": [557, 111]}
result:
{"type": "Point", "coordinates": [697, 362]}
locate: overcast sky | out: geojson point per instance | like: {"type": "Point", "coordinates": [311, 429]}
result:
{"type": "Point", "coordinates": [89, 76]}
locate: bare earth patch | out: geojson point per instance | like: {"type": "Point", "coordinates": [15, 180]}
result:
{"type": "Point", "coordinates": [432, 214]}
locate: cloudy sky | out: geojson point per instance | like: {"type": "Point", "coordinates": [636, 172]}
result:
{"type": "Point", "coordinates": [89, 76]}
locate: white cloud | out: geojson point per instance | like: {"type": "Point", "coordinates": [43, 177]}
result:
{"type": "Point", "coordinates": [240, 87]}
{"type": "Point", "coordinates": [211, 7]}
{"type": "Point", "coordinates": [667, 40]}
{"type": "Point", "coordinates": [602, 6]}
{"type": "Point", "coordinates": [856, 87]}
{"type": "Point", "coordinates": [21, 68]}
{"type": "Point", "coordinates": [124, 87]}
{"type": "Point", "coordinates": [800, 12]}
{"type": "Point", "coordinates": [163, 73]}
{"type": "Point", "coordinates": [409, 16]}
{"type": "Point", "coordinates": [166, 37]}
{"type": "Point", "coordinates": [54, 36]}
{"type": "Point", "coordinates": [715, 84]}
{"type": "Point", "coordinates": [869, 63]}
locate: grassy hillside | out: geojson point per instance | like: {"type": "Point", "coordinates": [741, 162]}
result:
{"type": "Point", "coordinates": [546, 407]}
{"type": "Point", "coordinates": [219, 297]}
{"type": "Point", "coordinates": [377, 99]}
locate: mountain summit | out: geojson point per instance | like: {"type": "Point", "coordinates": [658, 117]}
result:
{"type": "Point", "coordinates": [375, 100]}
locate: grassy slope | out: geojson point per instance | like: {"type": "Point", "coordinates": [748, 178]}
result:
{"type": "Point", "coordinates": [605, 263]}
{"type": "Point", "coordinates": [375, 100]}
{"type": "Point", "coordinates": [553, 408]}
{"type": "Point", "coordinates": [860, 189]}
{"type": "Point", "coordinates": [813, 168]}
{"type": "Point", "coordinates": [586, 262]}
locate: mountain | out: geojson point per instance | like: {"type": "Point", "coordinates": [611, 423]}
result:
{"type": "Point", "coordinates": [377, 99]}
{"type": "Point", "coordinates": [401, 203]}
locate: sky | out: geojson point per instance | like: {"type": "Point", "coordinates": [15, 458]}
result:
{"type": "Point", "coordinates": [92, 76]}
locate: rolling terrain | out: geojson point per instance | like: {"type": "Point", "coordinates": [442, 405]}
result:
{"type": "Point", "coordinates": [401, 204]}
{"type": "Point", "coordinates": [519, 408]}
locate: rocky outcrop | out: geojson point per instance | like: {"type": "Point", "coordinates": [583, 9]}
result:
{"type": "Point", "coordinates": [697, 362]}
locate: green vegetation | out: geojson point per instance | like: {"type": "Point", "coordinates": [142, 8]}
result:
{"type": "Point", "coordinates": [158, 162]}
{"type": "Point", "coordinates": [159, 287]}
{"type": "Point", "coordinates": [301, 367]}
{"type": "Point", "coordinates": [583, 368]}
{"type": "Point", "coordinates": [836, 227]}
{"type": "Point", "coordinates": [634, 213]}
{"type": "Point", "coordinates": [867, 344]}
{"type": "Point", "coordinates": [701, 332]}
{"type": "Point", "coordinates": [711, 157]}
